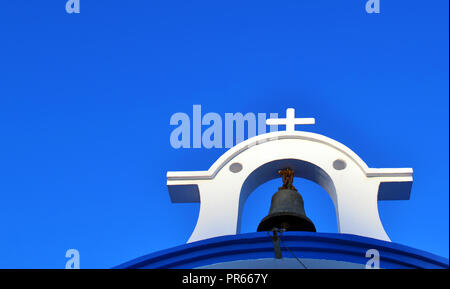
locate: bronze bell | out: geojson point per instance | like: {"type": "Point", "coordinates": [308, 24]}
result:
{"type": "Point", "coordinates": [286, 210]}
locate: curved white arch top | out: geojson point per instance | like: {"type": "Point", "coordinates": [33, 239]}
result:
{"type": "Point", "coordinates": [279, 135]}
{"type": "Point", "coordinates": [352, 185]}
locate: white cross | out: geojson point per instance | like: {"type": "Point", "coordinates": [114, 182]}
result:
{"type": "Point", "coordinates": [290, 121]}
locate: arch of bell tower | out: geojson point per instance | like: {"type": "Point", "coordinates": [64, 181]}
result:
{"type": "Point", "coordinates": [354, 187]}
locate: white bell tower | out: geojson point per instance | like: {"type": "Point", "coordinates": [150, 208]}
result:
{"type": "Point", "coordinates": [354, 187]}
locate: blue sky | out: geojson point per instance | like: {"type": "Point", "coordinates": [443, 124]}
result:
{"type": "Point", "coordinates": [86, 99]}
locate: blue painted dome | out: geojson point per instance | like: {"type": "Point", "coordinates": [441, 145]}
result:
{"type": "Point", "coordinates": [299, 250]}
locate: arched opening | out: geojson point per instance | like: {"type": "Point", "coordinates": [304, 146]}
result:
{"type": "Point", "coordinates": [318, 205]}
{"type": "Point", "coordinates": [315, 186]}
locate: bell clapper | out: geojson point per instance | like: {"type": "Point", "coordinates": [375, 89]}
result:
{"type": "Point", "coordinates": [276, 243]}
